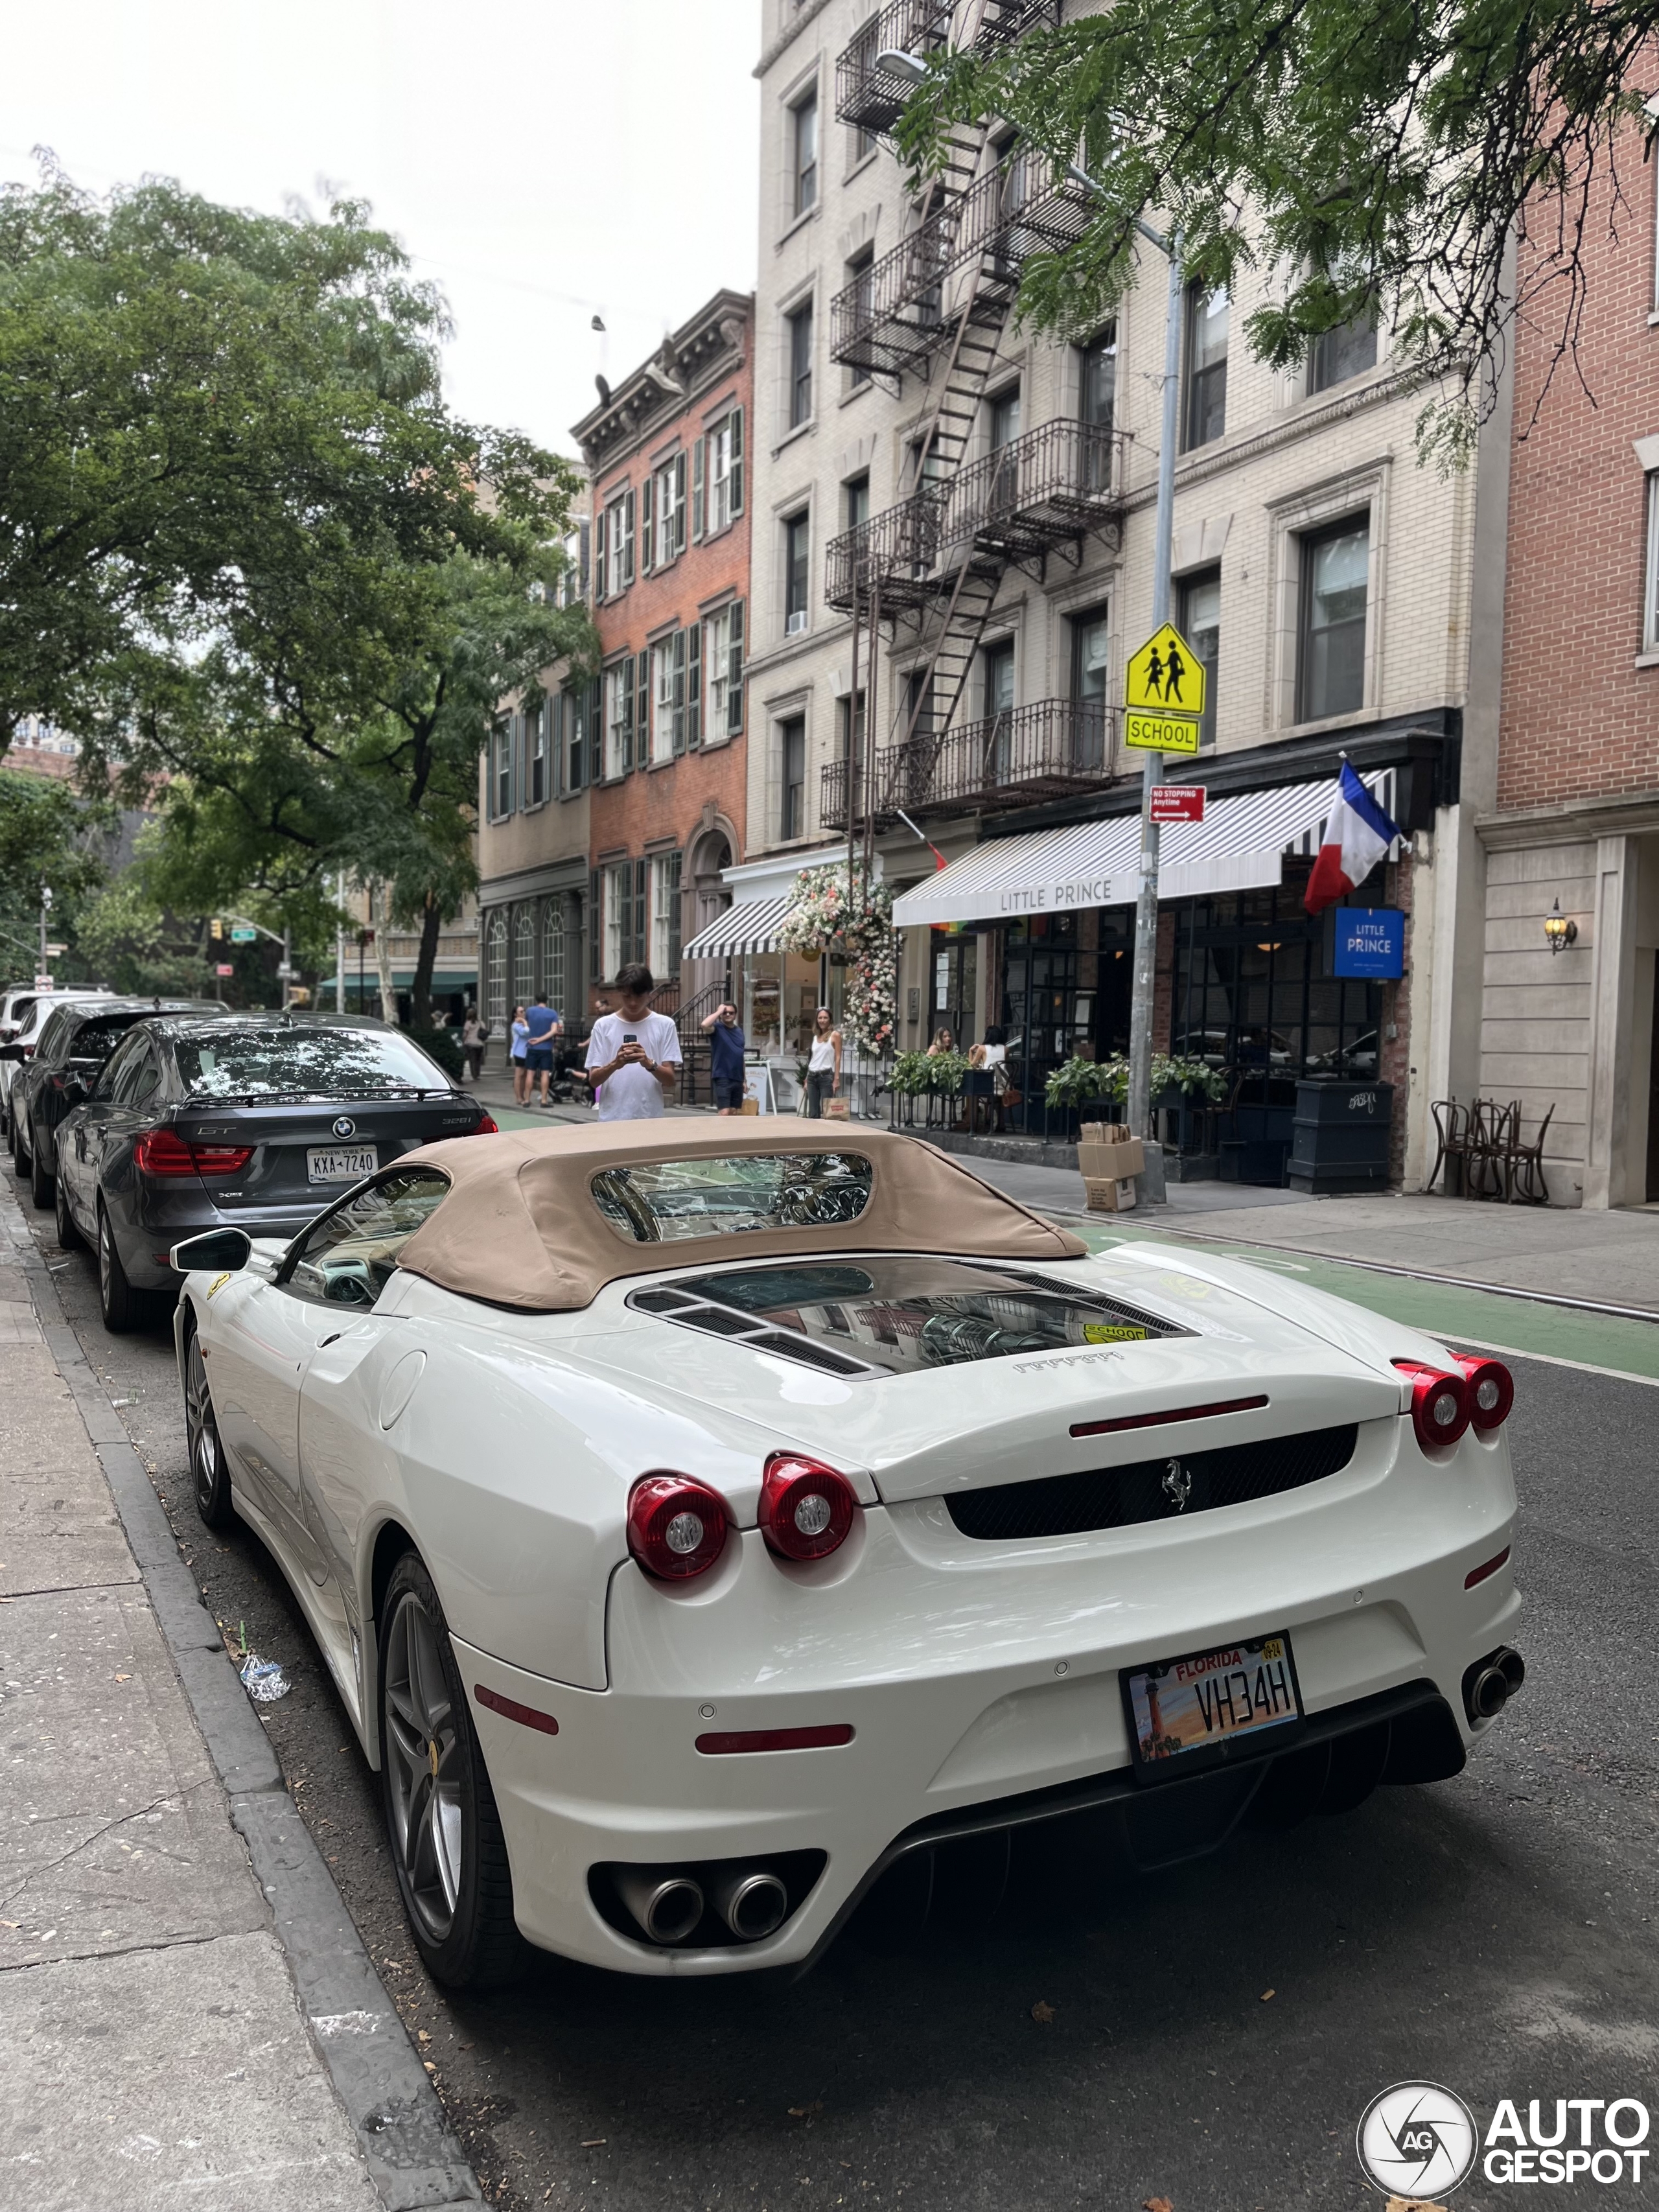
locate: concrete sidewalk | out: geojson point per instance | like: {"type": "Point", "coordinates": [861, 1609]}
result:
{"type": "Point", "coordinates": [157, 2047]}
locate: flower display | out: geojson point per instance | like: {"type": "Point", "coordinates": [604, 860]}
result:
{"type": "Point", "coordinates": [825, 911]}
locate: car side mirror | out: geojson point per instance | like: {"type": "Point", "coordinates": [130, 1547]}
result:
{"type": "Point", "coordinates": [217, 1251]}
{"type": "Point", "coordinates": [12, 1052]}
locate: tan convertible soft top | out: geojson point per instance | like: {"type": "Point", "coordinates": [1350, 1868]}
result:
{"type": "Point", "coordinates": [521, 1226]}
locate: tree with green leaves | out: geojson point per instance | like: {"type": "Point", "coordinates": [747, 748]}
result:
{"type": "Point", "coordinates": [1377, 159]}
{"type": "Point", "coordinates": [50, 835]}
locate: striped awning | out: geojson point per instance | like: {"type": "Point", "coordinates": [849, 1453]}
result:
{"type": "Point", "coordinates": [1240, 845]}
{"type": "Point", "coordinates": [752, 926]}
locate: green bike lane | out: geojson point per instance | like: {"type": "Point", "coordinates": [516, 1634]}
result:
{"type": "Point", "coordinates": [1490, 1321]}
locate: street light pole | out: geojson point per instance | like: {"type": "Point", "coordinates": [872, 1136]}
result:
{"type": "Point", "coordinates": [46, 909]}
{"type": "Point", "coordinates": [1139, 1106]}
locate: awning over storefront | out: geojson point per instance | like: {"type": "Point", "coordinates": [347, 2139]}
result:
{"type": "Point", "coordinates": [752, 926]}
{"type": "Point", "coordinates": [1240, 845]}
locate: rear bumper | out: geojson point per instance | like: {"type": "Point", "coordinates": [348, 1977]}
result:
{"type": "Point", "coordinates": [164, 1219]}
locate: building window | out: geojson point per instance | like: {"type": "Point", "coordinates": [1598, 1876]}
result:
{"type": "Point", "coordinates": [553, 951]}
{"type": "Point", "coordinates": [1348, 351]}
{"type": "Point", "coordinates": [1200, 625]}
{"type": "Point", "coordinates": [792, 750]}
{"type": "Point", "coordinates": [616, 893]}
{"type": "Point", "coordinates": [722, 661]}
{"type": "Point", "coordinates": [1091, 640]}
{"type": "Point", "coordinates": [618, 544]}
{"type": "Point", "coordinates": [849, 728]}
{"type": "Point", "coordinates": [1098, 380]}
{"type": "Point", "coordinates": [855, 494]}
{"type": "Point", "coordinates": [803, 156]}
{"type": "Point", "coordinates": [579, 716]}
{"type": "Point", "coordinates": [668, 697]}
{"type": "Point", "coordinates": [662, 524]}
{"type": "Point", "coordinates": [1004, 418]}
{"type": "Point", "coordinates": [796, 536]}
{"type": "Point", "coordinates": [618, 721]}
{"type": "Point", "coordinates": [1204, 415]}
{"type": "Point", "coordinates": [524, 956]}
{"type": "Point", "coordinates": [1650, 597]}
{"type": "Point", "coordinates": [1335, 569]}
{"type": "Point", "coordinates": [664, 957]}
{"type": "Point", "coordinates": [861, 278]}
{"type": "Point", "coordinates": [721, 455]}
{"type": "Point", "coordinates": [535, 748]}
{"type": "Point", "coordinates": [798, 330]}
{"type": "Point", "coordinates": [501, 771]}
{"type": "Point", "coordinates": [495, 971]}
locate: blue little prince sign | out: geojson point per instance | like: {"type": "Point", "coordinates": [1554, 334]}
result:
{"type": "Point", "coordinates": [1371, 941]}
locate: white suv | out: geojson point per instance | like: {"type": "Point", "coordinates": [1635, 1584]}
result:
{"type": "Point", "coordinates": [23, 1015]}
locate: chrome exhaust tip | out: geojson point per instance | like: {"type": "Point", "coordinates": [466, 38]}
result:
{"type": "Point", "coordinates": [753, 1905]}
{"type": "Point", "coordinates": [667, 1906]}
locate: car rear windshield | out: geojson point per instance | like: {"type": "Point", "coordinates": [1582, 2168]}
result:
{"type": "Point", "coordinates": [97, 1040]}
{"type": "Point", "coordinates": [908, 1313]}
{"type": "Point", "coordinates": [290, 1063]}
{"type": "Point", "coordinates": [665, 1200]}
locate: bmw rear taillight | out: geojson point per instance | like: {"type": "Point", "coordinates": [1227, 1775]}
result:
{"type": "Point", "coordinates": [1490, 1389]}
{"type": "Point", "coordinates": [485, 1126]}
{"type": "Point", "coordinates": [1440, 1405]}
{"type": "Point", "coordinates": [806, 1510]}
{"type": "Point", "coordinates": [676, 1525]}
{"type": "Point", "coordinates": [163, 1152]}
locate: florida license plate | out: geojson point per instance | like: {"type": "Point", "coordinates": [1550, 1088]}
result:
{"type": "Point", "coordinates": [1210, 1702]}
{"type": "Point", "coordinates": [341, 1162]}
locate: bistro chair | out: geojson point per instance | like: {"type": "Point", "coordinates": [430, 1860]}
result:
{"type": "Point", "coordinates": [1451, 1131]}
{"type": "Point", "coordinates": [1492, 1131]}
{"type": "Point", "coordinates": [1526, 1164]}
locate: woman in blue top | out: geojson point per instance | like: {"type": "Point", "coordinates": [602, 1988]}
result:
{"type": "Point", "coordinates": [519, 1047]}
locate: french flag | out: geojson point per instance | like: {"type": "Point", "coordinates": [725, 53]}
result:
{"type": "Point", "coordinates": [1357, 833]}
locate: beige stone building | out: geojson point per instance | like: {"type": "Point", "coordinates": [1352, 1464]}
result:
{"type": "Point", "coordinates": [982, 501]}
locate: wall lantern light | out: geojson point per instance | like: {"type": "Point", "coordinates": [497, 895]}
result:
{"type": "Point", "coordinates": [1559, 928]}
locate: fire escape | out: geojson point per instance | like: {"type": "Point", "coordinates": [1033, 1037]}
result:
{"type": "Point", "coordinates": [927, 573]}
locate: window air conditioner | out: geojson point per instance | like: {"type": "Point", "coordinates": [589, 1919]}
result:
{"type": "Point", "coordinates": [796, 622]}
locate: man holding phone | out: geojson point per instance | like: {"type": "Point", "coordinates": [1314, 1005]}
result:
{"type": "Point", "coordinates": [634, 1057]}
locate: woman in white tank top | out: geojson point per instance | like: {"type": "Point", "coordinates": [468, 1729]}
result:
{"type": "Point", "coordinates": [822, 1063]}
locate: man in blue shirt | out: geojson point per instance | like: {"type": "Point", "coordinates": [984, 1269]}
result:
{"type": "Point", "coordinates": [725, 1048]}
{"type": "Point", "coordinates": [543, 1023]}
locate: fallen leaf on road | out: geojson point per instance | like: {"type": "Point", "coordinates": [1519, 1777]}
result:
{"type": "Point", "coordinates": [424, 2034]}
{"type": "Point", "coordinates": [805, 2111]}
{"type": "Point", "coordinates": [1266, 1994]}
{"type": "Point", "coordinates": [123, 1677]}
{"type": "Point", "coordinates": [1042, 2011]}
{"type": "Point", "coordinates": [1414, 2204]}
{"type": "Point", "coordinates": [1156, 2204]}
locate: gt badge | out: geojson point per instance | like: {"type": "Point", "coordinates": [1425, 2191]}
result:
{"type": "Point", "coordinates": [217, 1285]}
{"type": "Point", "coordinates": [1178, 1485]}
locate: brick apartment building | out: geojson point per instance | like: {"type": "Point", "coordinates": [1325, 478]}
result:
{"type": "Point", "coordinates": [1573, 821]}
{"type": "Point", "coordinates": [666, 451]}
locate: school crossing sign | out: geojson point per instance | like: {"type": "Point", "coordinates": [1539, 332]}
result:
{"type": "Point", "coordinates": [1164, 695]}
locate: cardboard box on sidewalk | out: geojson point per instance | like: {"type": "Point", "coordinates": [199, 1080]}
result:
{"type": "Point", "coordinates": [1103, 1132]}
{"type": "Point", "coordinates": [1117, 1161]}
{"type": "Point", "coordinates": [1106, 1195]}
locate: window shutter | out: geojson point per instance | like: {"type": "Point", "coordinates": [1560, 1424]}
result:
{"type": "Point", "coordinates": [642, 893]}
{"type": "Point", "coordinates": [628, 715]}
{"type": "Point", "coordinates": [674, 862]}
{"type": "Point", "coordinates": [679, 503]}
{"type": "Point", "coordinates": [699, 490]}
{"type": "Point", "coordinates": [679, 691]}
{"type": "Point", "coordinates": [642, 720]}
{"type": "Point", "coordinates": [734, 673]}
{"type": "Point", "coordinates": [630, 508]}
{"type": "Point", "coordinates": [647, 548]}
{"type": "Point", "coordinates": [595, 926]}
{"type": "Point", "coordinates": [584, 554]}
{"type": "Point", "coordinates": [737, 461]}
{"type": "Point", "coordinates": [599, 557]}
{"type": "Point", "coordinates": [694, 687]}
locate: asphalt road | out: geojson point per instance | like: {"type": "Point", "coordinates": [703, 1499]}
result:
{"type": "Point", "coordinates": [1209, 2035]}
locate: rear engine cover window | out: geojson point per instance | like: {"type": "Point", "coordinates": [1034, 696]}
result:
{"type": "Point", "coordinates": [907, 1315]}
{"type": "Point", "coordinates": [665, 1199]}
{"type": "Point", "coordinates": [298, 1063]}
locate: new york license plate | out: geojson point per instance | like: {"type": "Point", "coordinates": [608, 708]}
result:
{"type": "Point", "coordinates": [341, 1162]}
{"type": "Point", "coordinates": [1209, 1702]}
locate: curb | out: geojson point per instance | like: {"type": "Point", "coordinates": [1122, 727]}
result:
{"type": "Point", "coordinates": [413, 2159]}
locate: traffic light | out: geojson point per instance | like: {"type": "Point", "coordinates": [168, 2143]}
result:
{"type": "Point", "coordinates": [215, 927]}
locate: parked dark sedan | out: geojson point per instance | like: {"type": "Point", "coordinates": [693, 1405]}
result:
{"type": "Point", "coordinates": [257, 1121]}
{"type": "Point", "coordinates": [78, 1038]}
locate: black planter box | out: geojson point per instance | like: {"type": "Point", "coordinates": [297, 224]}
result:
{"type": "Point", "coordinates": [1341, 1137]}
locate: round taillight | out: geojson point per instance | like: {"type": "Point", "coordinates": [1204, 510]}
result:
{"type": "Point", "coordinates": [676, 1525]}
{"type": "Point", "coordinates": [1490, 1389]}
{"type": "Point", "coordinates": [805, 1509]}
{"type": "Point", "coordinates": [1440, 1405]}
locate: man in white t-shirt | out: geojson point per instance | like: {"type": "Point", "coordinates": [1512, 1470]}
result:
{"type": "Point", "coordinates": [634, 1057]}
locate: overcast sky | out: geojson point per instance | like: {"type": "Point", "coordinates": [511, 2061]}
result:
{"type": "Point", "coordinates": [543, 159]}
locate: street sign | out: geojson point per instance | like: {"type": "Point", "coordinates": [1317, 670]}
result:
{"type": "Point", "coordinates": [43, 983]}
{"type": "Point", "coordinates": [243, 936]}
{"type": "Point", "coordinates": [1370, 940]}
{"type": "Point", "coordinates": [1177, 802]}
{"type": "Point", "coordinates": [284, 971]}
{"type": "Point", "coordinates": [55, 951]}
{"type": "Point", "coordinates": [1160, 733]}
{"type": "Point", "coordinates": [1166, 676]}
{"type": "Point", "coordinates": [224, 967]}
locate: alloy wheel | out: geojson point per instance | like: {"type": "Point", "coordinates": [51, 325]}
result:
{"type": "Point", "coordinates": [425, 1767]}
{"type": "Point", "coordinates": [207, 1466]}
